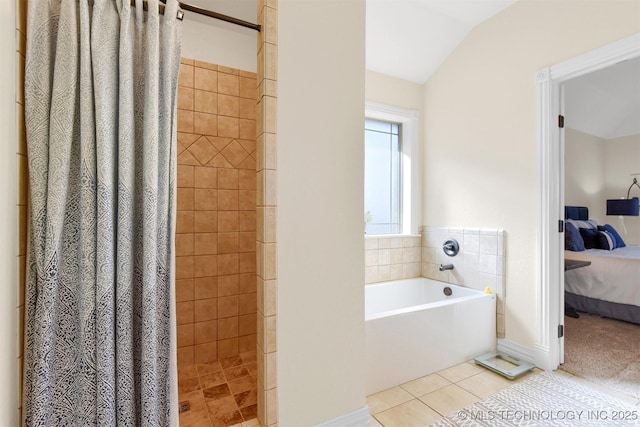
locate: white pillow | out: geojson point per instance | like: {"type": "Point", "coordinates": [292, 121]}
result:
{"type": "Point", "coordinates": [583, 224]}
{"type": "Point", "coordinates": [606, 241]}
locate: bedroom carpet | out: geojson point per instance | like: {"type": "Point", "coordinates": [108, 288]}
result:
{"type": "Point", "coordinates": [547, 399]}
{"type": "Point", "coordinates": [603, 351]}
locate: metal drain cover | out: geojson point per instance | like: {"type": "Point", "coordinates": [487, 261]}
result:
{"type": "Point", "coordinates": [183, 406]}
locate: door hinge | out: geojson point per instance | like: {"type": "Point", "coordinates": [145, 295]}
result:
{"type": "Point", "coordinates": [560, 331]}
{"type": "Point", "coordinates": [561, 121]}
{"type": "Point", "coordinates": [560, 226]}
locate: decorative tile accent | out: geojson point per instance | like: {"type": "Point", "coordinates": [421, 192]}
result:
{"type": "Point", "coordinates": [202, 150]}
{"type": "Point", "coordinates": [234, 153]}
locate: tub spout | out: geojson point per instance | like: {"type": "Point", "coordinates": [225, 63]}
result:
{"type": "Point", "coordinates": [444, 267]}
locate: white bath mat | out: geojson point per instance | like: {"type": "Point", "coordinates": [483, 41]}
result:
{"type": "Point", "coordinates": [547, 399]}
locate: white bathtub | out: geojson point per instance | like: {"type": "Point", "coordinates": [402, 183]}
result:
{"type": "Point", "coordinates": [412, 329]}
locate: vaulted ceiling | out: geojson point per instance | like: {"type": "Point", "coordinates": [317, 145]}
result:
{"type": "Point", "coordinates": [410, 39]}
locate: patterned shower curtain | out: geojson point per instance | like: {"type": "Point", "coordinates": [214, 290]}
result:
{"type": "Point", "coordinates": [101, 87]}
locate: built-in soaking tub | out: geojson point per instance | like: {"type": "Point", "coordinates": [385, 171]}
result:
{"type": "Point", "coordinates": [413, 329]}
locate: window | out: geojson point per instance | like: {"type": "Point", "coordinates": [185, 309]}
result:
{"type": "Point", "coordinates": [391, 174]}
{"type": "Point", "coordinates": [382, 182]}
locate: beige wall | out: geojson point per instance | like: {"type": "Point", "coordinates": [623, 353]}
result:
{"type": "Point", "coordinates": [621, 160]}
{"type": "Point", "coordinates": [393, 91]}
{"type": "Point", "coordinates": [320, 199]}
{"type": "Point", "coordinates": [584, 166]}
{"type": "Point", "coordinates": [480, 128]}
{"type": "Point", "coordinates": [218, 42]}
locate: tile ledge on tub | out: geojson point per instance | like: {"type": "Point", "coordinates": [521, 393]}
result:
{"type": "Point", "coordinates": [389, 236]}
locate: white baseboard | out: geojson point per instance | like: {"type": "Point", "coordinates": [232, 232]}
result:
{"type": "Point", "coordinates": [357, 418]}
{"type": "Point", "coordinates": [519, 351]}
{"type": "Point", "coordinates": [543, 359]}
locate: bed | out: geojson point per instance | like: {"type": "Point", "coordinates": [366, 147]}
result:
{"type": "Point", "coordinates": [610, 286]}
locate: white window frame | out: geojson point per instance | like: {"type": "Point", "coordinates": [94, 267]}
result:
{"type": "Point", "coordinates": [409, 160]}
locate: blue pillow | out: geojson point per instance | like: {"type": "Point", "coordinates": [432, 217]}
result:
{"type": "Point", "coordinates": [572, 238]}
{"type": "Point", "coordinates": [590, 237]}
{"type": "Point", "coordinates": [614, 233]}
{"type": "Point", "coordinates": [606, 241]}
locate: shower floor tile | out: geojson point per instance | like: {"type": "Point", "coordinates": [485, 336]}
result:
{"type": "Point", "coordinates": [221, 393]}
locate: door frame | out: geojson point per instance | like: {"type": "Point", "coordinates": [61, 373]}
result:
{"type": "Point", "coordinates": [549, 348]}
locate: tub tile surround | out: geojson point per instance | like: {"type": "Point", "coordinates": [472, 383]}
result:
{"type": "Point", "coordinates": [479, 264]}
{"type": "Point", "coordinates": [392, 257]}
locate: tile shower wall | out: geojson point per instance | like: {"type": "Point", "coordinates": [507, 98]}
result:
{"type": "Point", "coordinates": [267, 213]}
{"type": "Point", "coordinates": [479, 264]}
{"type": "Point", "coordinates": [216, 218]}
{"type": "Point", "coordinates": [392, 258]}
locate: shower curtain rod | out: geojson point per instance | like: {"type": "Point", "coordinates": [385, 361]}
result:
{"type": "Point", "coordinates": [216, 15]}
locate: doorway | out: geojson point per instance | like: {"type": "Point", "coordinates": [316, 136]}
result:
{"type": "Point", "coordinates": [549, 348]}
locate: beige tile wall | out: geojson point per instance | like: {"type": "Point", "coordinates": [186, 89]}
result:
{"type": "Point", "coordinates": [216, 217]}
{"type": "Point", "coordinates": [392, 258]}
{"type": "Point", "coordinates": [479, 264]}
{"type": "Point", "coordinates": [23, 178]}
{"type": "Point", "coordinates": [267, 186]}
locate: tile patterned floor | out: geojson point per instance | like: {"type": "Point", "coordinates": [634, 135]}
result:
{"type": "Point", "coordinates": [221, 393]}
{"type": "Point", "coordinates": [426, 400]}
